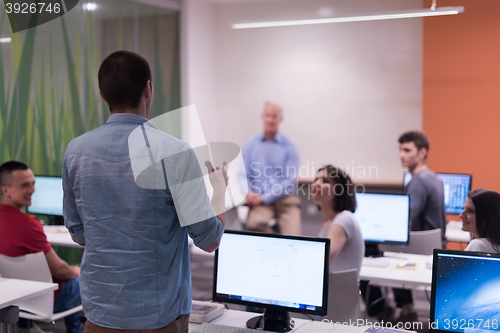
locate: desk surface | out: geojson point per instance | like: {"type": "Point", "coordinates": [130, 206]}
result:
{"type": "Point", "coordinates": [59, 235]}
{"type": "Point", "coordinates": [390, 275]}
{"type": "Point", "coordinates": [239, 318]}
{"type": "Point", "coordinates": [13, 291]}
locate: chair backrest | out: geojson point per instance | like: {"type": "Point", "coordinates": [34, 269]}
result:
{"type": "Point", "coordinates": [343, 296]}
{"type": "Point", "coordinates": [32, 267]}
{"type": "Point", "coordinates": [421, 242]}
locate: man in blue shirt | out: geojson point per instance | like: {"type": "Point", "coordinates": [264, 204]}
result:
{"type": "Point", "coordinates": [135, 272]}
{"type": "Point", "coordinates": [272, 163]}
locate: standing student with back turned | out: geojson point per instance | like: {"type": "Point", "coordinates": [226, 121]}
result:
{"type": "Point", "coordinates": [135, 270]}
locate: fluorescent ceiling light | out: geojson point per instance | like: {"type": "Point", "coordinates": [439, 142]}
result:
{"type": "Point", "coordinates": [90, 6]}
{"type": "Point", "coordinates": [356, 18]}
{"type": "Point", "coordinates": [4, 40]}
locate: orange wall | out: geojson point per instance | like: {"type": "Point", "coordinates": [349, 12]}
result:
{"type": "Point", "coordinates": [461, 91]}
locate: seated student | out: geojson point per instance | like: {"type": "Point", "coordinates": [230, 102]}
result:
{"type": "Point", "coordinates": [21, 234]}
{"type": "Point", "coordinates": [481, 217]}
{"type": "Point", "coordinates": [333, 191]}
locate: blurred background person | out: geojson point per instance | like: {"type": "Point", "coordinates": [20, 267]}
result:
{"type": "Point", "coordinates": [272, 164]}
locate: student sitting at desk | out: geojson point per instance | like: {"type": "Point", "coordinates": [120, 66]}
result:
{"type": "Point", "coordinates": [333, 191]}
{"type": "Point", "coordinates": [21, 234]}
{"type": "Point", "coordinates": [481, 217]}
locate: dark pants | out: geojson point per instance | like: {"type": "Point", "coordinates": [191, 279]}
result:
{"type": "Point", "coordinates": [402, 297]}
{"type": "Point", "coordinates": [376, 302]}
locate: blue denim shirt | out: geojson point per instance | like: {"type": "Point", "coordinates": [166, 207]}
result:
{"type": "Point", "coordinates": [272, 167]}
{"type": "Point", "coordinates": [135, 268]}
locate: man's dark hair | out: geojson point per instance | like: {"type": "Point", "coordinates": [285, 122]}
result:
{"type": "Point", "coordinates": [7, 169]}
{"type": "Point", "coordinates": [343, 188]}
{"type": "Point", "coordinates": [122, 77]}
{"type": "Point", "coordinates": [418, 138]}
{"type": "Point", "coordinates": [487, 206]}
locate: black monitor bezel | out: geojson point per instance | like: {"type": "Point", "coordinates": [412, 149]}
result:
{"type": "Point", "coordinates": [390, 242]}
{"type": "Point", "coordinates": [456, 174]}
{"type": "Point", "coordinates": [432, 317]}
{"type": "Point", "coordinates": [40, 213]}
{"type": "Point", "coordinates": [321, 311]}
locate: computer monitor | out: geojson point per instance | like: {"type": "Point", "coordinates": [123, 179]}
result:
{"type": "Point", "coordinates": [465, 291]}
{"type": "Point", "coordinates": [456, 189]}
{"type": "Point", "coordinates": [48, 196]}
{"type": "Point", "coordinates": [276, 272]}
{"type": "Point", "coordinates": [406, 179]}
{"type": "Point", "coordinates": [383, 218]}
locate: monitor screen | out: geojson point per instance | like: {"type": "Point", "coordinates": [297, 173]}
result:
{"type": "Point", "coordinates": [383, 218]}
{"type": "Point", "coordinates": [456, 189]}
{"type": "Point", "coordinates": [276, 272]}
{"type": "Point", "coordinates": [48, 196]}
{"type": "Point", "coordinates": [406, 179]}
{"type": "Point", "coordinates": [465, 291]}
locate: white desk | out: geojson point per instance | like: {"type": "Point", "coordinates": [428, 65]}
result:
{"type": "Point", "coordinates": [454, 232]}
{"type": "Point", "coordinates": [13, 291]}
{"type": "Point", "coordinates": [239, 318]}
{"type": "Point", "coordinates": [59, 235]}
{"type": "Point", "coordinates": [392, 276]}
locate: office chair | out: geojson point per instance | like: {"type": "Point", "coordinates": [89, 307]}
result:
{"type": "Point", "coordinates": [343, 296]}
{"type": "Point", "coordinates": [421, 242]}
{"type": "Point", "coordinates": [34, 267]}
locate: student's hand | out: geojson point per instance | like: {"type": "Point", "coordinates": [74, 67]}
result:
{"type": "Point", "coordinates": [76, 269]}
{"type": "Point", "coordinates": [218, 180]}
{"type": "Point", "coordinates": [218, 177]}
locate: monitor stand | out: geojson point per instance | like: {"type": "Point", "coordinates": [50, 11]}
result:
{"type": "Point", "coordinates": [271, 320]}
{"type": "Point", "coordinates": [371, 250]}
{"type": "Point", "coordinates": [56, 220]}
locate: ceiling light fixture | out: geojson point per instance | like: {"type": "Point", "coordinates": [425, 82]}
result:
{"type": "Point", "coordinates": [433, 11]}
{"type": "Point", "coordinates": [90, 6]}
{"type": "Point", "coordinates": [4, 40]}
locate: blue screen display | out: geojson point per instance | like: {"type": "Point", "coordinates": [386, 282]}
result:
{"type": "Point", "coordinates": [467, 292]}
{"type": "Point", "coordinates": [456, 188]}
{"type": "Point", "coordinates": [48, 196]}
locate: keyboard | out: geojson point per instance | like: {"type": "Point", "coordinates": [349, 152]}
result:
{"type": "Point", "coordinates": [375, 262]}
{"type": "Point", "coordinates": [215, 328]}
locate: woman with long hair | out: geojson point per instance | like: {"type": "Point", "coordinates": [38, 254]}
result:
{"type": "Point", "coordinates": [333, 191]}
{"type": "Point", "coordinates": [481, 217]}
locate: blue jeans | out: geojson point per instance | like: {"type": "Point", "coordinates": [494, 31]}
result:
{"type": "Point", "coordinates": [69, 297]}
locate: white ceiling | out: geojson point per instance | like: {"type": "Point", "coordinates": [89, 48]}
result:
{"type": "Point", "coordinates": [241, 1]}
